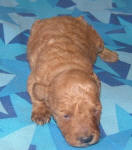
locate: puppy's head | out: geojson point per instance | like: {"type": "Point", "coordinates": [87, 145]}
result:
{"type": "Point", "coordinates": [76, 107]}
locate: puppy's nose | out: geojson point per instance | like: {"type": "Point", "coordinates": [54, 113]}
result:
{"type": "Point", "coordinates": [87, 140]}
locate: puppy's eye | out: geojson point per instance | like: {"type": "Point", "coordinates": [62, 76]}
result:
{"type": "Point", "coordinates": [66, 116]}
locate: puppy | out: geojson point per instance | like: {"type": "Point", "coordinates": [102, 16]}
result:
{"type": "Point", "coordinates": [62, 84]}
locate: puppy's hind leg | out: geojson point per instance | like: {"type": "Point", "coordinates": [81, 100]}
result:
{"type": "Point", "coordinates": [108, 55]}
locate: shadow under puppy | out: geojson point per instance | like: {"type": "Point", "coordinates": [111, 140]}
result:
{"type": "Point", "coordinates": [61, 53]}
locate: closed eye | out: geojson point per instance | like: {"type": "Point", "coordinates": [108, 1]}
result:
{"type": "Point", "coordinates": [66, 116]}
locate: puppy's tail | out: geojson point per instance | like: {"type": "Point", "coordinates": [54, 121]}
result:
{"type": "Point", "coordinates": [108, 55]}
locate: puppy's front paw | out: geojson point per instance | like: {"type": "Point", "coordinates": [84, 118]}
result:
{"type": "Point", "coordinates": [40, 117]}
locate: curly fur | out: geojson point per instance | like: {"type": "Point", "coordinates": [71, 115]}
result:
{"type": "Point", "coordinates": [61, 53]}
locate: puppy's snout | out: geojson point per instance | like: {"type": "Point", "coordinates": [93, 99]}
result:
{"type": "Point", "coordinates": [86, 140]}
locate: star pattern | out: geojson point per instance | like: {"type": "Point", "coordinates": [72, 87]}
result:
{"type": "Point", "coordinates": [42, 8]}
{"type": "Point", "coordinates": [124, 37]}
{"type": "Point", "coordinates": [123, 7]}
{"type": "Point", "coordinates": [112, 20]}
{"type": "Point", "coordinates": [99, 8]}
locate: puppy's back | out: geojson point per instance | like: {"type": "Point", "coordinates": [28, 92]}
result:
{"type": "Point", "coordinates": [62, 42]}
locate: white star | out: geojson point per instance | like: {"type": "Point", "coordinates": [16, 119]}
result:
{"type": "Point", "coordinates": [18, 140]}
{"type": "Point", "coordinates": [12, 30]}
{"type": "Point", "coordinates": [110, 96]}
{"type": "Point", "coordinates": [126, 57]}
{"type": "Point", "coordinates": [5, 78]}
{"type": "Point", "coordinates": [8, 3]}
{"type": "Point", "coordinates": [23, 22]}
{"type": "Point", "coordinates": [2, 109]}
{"type": "Point", "coordinates": [99, 8]}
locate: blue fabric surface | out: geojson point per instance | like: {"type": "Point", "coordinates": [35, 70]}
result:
{"type": "Point", "coordinates": [113, 21]}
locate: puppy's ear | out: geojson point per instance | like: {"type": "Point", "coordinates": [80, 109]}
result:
{"type": "Point", "coordinates": [40, 91]}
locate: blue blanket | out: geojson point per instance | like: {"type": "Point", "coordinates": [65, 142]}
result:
{"type": "Point", "coordinates": [113, 21]}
